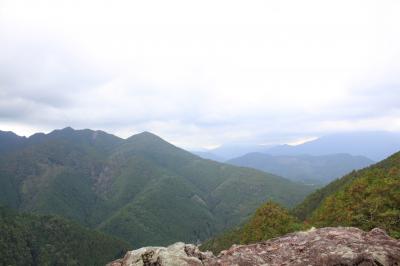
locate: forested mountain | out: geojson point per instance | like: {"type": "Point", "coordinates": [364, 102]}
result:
{"type": "Point", "coordinates": [27, 239]}
{"type": "Point", "coordinates": [142, 189]}
{"type": "Point", "coordinates": [9, 141]}
{"type": "Point", "coordinates": [269, 221]}
{"type": "Point", "coordinates": [317, 170]}
{"type": "Point", "coordinates": [366, 199]}
{"type": "Point", "coordinates": [376, 145]}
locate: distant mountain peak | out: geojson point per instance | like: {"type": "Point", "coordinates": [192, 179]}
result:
{"type": "Point", "coordinates": [10, 141]}
{"type": "Point", "coordinates": [375, 145]}
{"type": "Point", "coordinates": [62, 131]}
{"type": "Point", "coordinates": [145, 135]}
{"type": "Point", "coordinates": [145, 140]}
{"type": "Point", "coordinates": [8, 133]}
{"type": "Point", "coordinates": [68, 128]}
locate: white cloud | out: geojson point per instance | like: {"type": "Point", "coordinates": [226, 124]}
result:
{"type": "Point", "coordinates": [201, 73]}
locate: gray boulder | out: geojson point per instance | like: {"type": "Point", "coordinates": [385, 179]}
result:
{"type": "Point", "coordinates": [175, 255]}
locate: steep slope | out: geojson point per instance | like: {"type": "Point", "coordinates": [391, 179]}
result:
{"type": "Point", "coordinates": [142, 188]}
{"type": "Point", "coordinates": [374, 145]}
{"type": "Point", "coordinates": [28, 239]}
{"type": "Point", "coordinates": [304, 210]}
{"type": "Point", "coordinates": [269, 221]}
{"type": "Point", "coordinates": [53, 173]}
{"type": "Point", "coordinates": [307, 169]}
{"type": "Point", "coordinates": [186, 197]}
{"type": "Point", "coordinates": [366, 199]}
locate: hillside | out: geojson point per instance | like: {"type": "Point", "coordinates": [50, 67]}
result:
{"type": "Point", "coordinates": [28, 239]}
{"type": "Point", "coordinates": [269, 221]}
{"type": "Point", "coordinates": [318, 170]}
{"type": "Point", "coordinates": [304, 210]}
{"type": "Point", "coordinates": [142, 189]}
{"type": "Point", "coordinates": [366, 199]}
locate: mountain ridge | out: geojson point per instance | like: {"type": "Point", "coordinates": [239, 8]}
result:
{"type": "Point", "coordinates": [375, 145]}
{"type": "Point", "coordinates": [135, 188]}
{"type": "Point", "coordinates": [308, 169]}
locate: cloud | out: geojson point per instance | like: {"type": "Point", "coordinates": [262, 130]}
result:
{"type": "Point", "coordinates": [200, 74]}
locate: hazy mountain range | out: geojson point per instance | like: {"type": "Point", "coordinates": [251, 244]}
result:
{"type": "Point", "coordinates": [375, 145]}
{"type": "Point", "coordinates": [314, 162]}
{"type": "Point", "coordinates": [142, 189]}
{"type": "Point", "coordinates": [308, 169]}
{"type": "Point", "coordinates": [229, 151]}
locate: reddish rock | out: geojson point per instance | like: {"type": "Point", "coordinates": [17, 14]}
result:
{"type": "Point", "coordinates": [325, 246]}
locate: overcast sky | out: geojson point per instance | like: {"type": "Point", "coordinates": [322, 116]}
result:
{"type": "Point", "coordinates": [201, 73]}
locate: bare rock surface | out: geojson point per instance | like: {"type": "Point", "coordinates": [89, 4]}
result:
{"type": "Point", "coordinates": [325, 246]}
{"type": "Point", "coordinates": [174, 255]}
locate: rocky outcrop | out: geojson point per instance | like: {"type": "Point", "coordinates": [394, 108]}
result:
{"type": "Point", "coordinates": [325, 246]}
{"type": "Point", "coordinates": [174, 255]}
